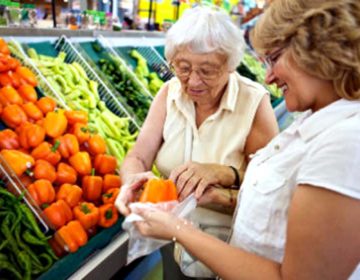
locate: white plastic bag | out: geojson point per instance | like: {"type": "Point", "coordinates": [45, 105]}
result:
{"type": "Point", "coordinates": [139, 245]}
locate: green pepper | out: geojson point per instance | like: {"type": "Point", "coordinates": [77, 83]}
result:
{"type": "Point", "coordinates": [5, 265]}
{"type": "Point", "coordinates": [25, 262]}
{"type": "Point", "coordinates": [33, 257]}
{"type": "Point", "coordinates": [30, 219]}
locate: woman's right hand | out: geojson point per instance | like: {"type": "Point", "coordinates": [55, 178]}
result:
{"type": "Point", "coordinates": [129, 189]}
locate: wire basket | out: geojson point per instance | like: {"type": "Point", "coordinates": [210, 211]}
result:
{"type": "Point", "coordinates": [108, 47]}
{"type": "Point", "coordinates": [43, 84]}
{"type": "Point", "coordinates": [105, 92]}
{"type": "Point", "coordinates": [156, 62]}
{"type": "Point", "coordinates": [13, 183]}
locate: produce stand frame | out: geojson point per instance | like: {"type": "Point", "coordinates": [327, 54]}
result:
{"type": "Point", "coordinates": [106, 95]}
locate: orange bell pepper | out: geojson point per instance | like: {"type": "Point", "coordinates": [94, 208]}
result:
{"type": "Point", "coordinates": [55, 124]}
{"type": "Point", "coordinates": [108, 215]}
{"type": "Point", "coordinates": [73, 234]}
{"type": "Point", "coordinates": [18, 161]}
{"type": "Point", "coordinates": [27, 75]}
{"type": "Point", "coordinates": [32, 111]}
{"type": "Point", "coordinates": [92, 187]}
{"type": "Point", "coordinates": [111, 181]}
{"type": "Point", "coordinates": [42, 192]}
{"type": "Point", "coordinates": [87, 214]}
{"type": "Point", "coordinates": [158, 190]}
{"type": "Point", "coordinates": [9, 140]}
{"type": "Point", "coordinates": [31, 135]}
{"type": "Point", "coordinates": [81, 162]}
{"type": "Point", "coordinates": [105, 164]}
{"type": "Point", "coordinates": [81, 132]}
{"type": "Point", "coordinates": [13, 116]}
{"type": "Point", "coordinates": [71, 194]}
{"type": "Point", "coordinates": [76, 116]}
{"type": "Point", "coordinates": [3, 47]}
{"type": "Point", "coordinates": [5, 79]}
{"type": "Point", "coordinates": [58, 213]}
{"type": "Point", "coordinates": [69, 145]}
{"type": "Point", "coordinates": [65, 174]}
{"type": "Point", "coordinates": [44, 170]}
{"type": "Point", "coordinates": [16, 80]}
{"type": "Point", "coordinates": [7, 62]}
{"type": "Point", "coordinates": [9, 95]}
{"type": "Point", "coordinates": [12, 63]}
{"type": "Point", "coordinates": [96, 145]}
{"type": "Point", "coordinates": [28, 93]}
{"type": "Point", "coordinates": [110, 196]}
{"type": "Point", "coordinates": [47, 152]}
{"type": "Point", "coordinates": [46, 104]}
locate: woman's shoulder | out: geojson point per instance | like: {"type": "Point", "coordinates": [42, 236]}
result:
{"type": "Point", "coordinates": [247, 86]}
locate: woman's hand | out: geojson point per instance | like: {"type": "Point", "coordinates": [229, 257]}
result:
{"type": "Point", "coordinates": [219, 199]}
{"type": "Point", "coordinates": [160, 224]}
{"type": "Point", "coordinates": [194, 176]}
{"type": "Point", "coordinates": [129, 189]}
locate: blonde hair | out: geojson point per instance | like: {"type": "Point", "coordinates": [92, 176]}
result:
{"type": "Point", "coordinates": [205, 30]}
{"type": "Point", "coordinates": [323, 37]}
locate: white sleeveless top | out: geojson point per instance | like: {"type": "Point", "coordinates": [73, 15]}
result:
{"type": "Point", "coordinates": [221, 137]}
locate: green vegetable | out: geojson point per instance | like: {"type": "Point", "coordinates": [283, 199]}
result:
{"type": "Point", "coordinates": [24, 251]}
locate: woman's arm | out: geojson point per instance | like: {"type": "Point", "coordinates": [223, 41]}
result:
{"type": "Point", "coordinates": [199, 177]}
{"type": "Point", "coordinates": [135, 170]}
{"type": "Point", "coordinates": [323, 240]}
{"type": "Point", "coordinates": [263, 129]}
{"type": "Point", "coordinates": [142, 155]}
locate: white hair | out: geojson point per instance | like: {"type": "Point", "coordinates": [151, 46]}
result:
{"type": "Point", "coordinates": [204, 30]}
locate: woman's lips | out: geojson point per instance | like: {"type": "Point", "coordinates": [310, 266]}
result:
{"type": "Point", "coordinates": [196, 91]}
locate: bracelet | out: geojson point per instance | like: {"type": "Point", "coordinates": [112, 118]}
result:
{"type": "Point", "coordinates": [237, 176]}
{"type": "Point", "coordinates": [178, 228]}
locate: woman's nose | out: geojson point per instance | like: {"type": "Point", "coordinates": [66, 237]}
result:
{"type": "Point", "coordinates": [194, 78]}
{"type": "Point", "coordinates": [269, 77]}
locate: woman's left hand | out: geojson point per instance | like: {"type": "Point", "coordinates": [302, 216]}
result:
{"type": "Point", "coordinates": [158, 224]}
{"type": "Point", "coordinates": [196, 177]}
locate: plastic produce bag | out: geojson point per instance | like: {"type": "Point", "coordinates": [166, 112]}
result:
{"type": "Point", "coordinates": [139, 245]}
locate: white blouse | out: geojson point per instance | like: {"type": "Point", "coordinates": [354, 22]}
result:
{"type": "Point", "coordinates": [221, 137]}
{"type": "Point", "coordinates": [320, 149]}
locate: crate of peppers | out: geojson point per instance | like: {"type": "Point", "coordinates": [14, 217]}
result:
{"type": "Point", "coordinates": [59, 166]}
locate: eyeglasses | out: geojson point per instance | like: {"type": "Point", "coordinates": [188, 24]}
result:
{"type": "Point", "coordinates": [271, 59]}
{"type": "Point", "coordinates": [205, 73]}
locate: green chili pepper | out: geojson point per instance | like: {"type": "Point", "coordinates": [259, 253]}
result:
{"type": "Point", "coordinates": [3, 257]}
{"type": "Point", "coordinates": [8, 235]}
{"type": "Point", "coordinates": [22, 245]}
{"type": "Point", "coordinates": [25, 262]}
{"type": "Point", "coordinates": [32, 239]}
{"type": "Point", "coordinates": [32, 222]}
{"type": "Point", "coordinates": [5, 265]}
{"type": "Point", "coordinates": [9, 196]}
{"type": "Point", "coordinates": [3, 244]}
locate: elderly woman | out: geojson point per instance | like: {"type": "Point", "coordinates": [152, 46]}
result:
{"type": "Point", "coordinates": [298, 212]}
{"type": "Point", "coordinates": [204, 123]}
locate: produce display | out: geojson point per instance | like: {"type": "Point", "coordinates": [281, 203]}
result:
{"type": "Point", "coordinates": [150, 79]}
{"type": "Point", "coordinates": [66, 157]}
{"type": "Point", "coordinates": [116, 72]}
{"type": "Point", "coordinates": [72, 85]}
{"type": "Point", "coordinates": [24, 250]}
{"type": "Point", "coordinates": [63, 168]}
